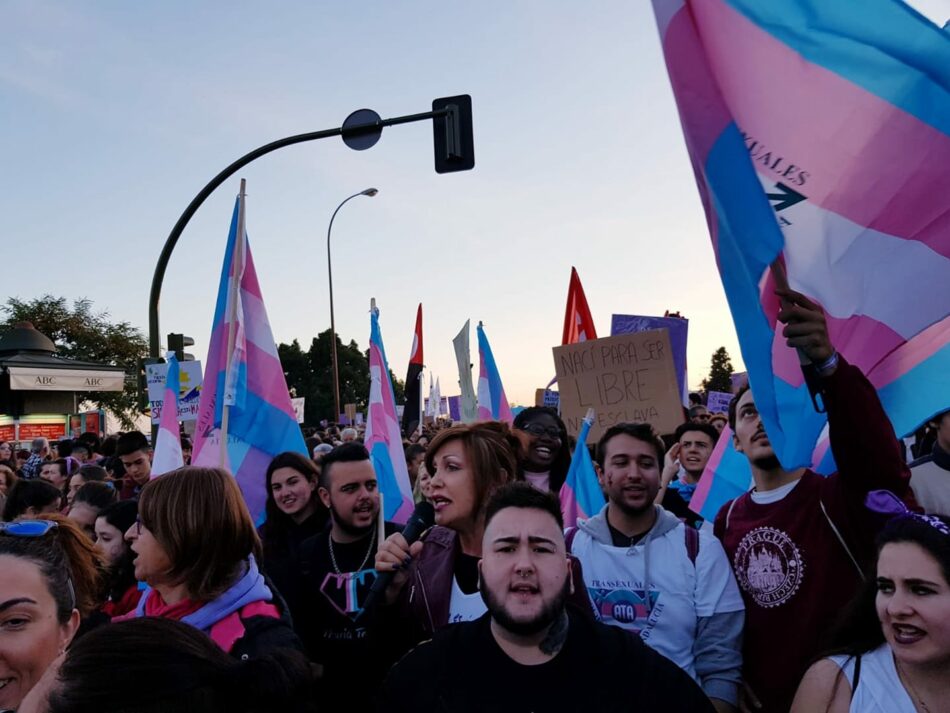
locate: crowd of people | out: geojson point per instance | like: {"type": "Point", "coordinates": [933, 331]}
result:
{"type": "Point", "coordinates": [124, 592]}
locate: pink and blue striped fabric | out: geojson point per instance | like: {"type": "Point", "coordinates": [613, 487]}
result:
{"type": "Point", "coordinates": [581, 496]}
{"type": "Point", "coordinates": [492, 402]}
{"type": "Point", "coordinates": [261, 420]}
{"type": "Point", "coordinates": [383, 439]}
{"type": "Point", "coordinates": [819, 132]}
{"type": "Point", "coordinates": [168, 455]}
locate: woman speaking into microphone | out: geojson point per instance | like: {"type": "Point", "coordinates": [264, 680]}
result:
{"type": "Point", "coordinates": [436, 578]}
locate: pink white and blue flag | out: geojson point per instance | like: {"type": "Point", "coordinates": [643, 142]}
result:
{"type": "Point", "coordinates": [819, 133]}
{"type": "Point", "coordinates": [168, 455]}
{"type": "Point", "coordinates": [249, 380]}
{"type": "Point", "coordinates": [581, 496]}
{"type": "Point", "coordinates": [492, 401]}
{"type": "Point", "coordinates": [383, 438]}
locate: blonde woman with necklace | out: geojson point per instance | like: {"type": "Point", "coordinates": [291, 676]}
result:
{"type": "Point", "coordinates": [892, 650]}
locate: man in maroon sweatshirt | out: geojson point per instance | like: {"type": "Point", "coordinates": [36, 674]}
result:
{"type": "Point", "coordinates": [798, 542]}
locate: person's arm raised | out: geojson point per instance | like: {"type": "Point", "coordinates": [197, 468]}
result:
{"type": "Point", "coordinates": [865, 447]}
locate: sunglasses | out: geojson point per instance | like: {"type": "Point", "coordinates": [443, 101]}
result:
{"type": "Point", "coordinates": [27, 528]}
{"type": "Point", "coordinates": [536, 429]}
{"type": "Point", "coordinates": [37, 528]}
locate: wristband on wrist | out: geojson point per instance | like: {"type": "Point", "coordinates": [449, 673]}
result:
{"type": "Point", "coordinates": [828, 365]}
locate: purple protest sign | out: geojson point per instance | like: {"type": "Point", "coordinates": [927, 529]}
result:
{"type": "Point", "coordinates": [455, 408]}
{"type": "Point", "coordinates": [677, 328]}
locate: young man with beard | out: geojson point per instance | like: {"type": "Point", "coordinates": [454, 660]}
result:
{"type": "Point", "coordinates": [336, 573]}
{"type": "Point", "coordinates": [800, 543]}
{"type": "Point", "coordinates": [531, 652]}
{"type": "Point", "coordinates": [651, 574]}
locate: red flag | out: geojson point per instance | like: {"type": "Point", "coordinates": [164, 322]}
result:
{"type": "Point", "coordinates": [578, 323]}
{"type": "Point", "coordinates": [410, 414]}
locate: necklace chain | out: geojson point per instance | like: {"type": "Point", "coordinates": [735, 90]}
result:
{"type": "Point", "coordinates": [336, 567]}
{"type": "Point", "coordinates": [906, 679]}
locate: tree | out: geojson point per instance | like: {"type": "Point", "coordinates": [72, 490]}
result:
{"type": "Point", "coordinates": [310, 373]}
{"type": "Point", "coordinates": [80, 333]}
{"type": "Point", "coordinates": [720, 371]}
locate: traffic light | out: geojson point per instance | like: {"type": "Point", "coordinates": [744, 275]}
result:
{"type": "Point", "coordinates": [452, 134]}
{"type": "Point", "coordinates": [177, 344]}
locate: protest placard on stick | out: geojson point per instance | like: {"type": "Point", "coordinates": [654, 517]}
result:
{"type": "Point", "coordinates": [628, 377]}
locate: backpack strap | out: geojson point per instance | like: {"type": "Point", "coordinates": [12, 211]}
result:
{"type": "Point", "coordinates": [844, 544]}
{"type": "Point", "coordinates": [692, 543]}
{"type": "Point", "coordinates": [729, 514]}
{"type": "Point", "coordinates": [229, 630]}
{"type": "Point", "coordinates": [569, 538]}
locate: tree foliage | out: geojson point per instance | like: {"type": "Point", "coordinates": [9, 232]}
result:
{"type": "Point", "coordinates": [81, 333]}
{"type": "Point", "coordinates": [720, 371]}
{"type": "Point", "coordinates": [310, 374]}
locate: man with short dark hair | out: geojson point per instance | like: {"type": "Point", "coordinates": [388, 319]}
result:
{"type": "Point", "coordinates": [39, 454]}
{"type": "Point", "coordinates": [699, 414]}
{"type": "Point", "coordinates": [684, 464]}
{"type": "Point", "coordinates": [530, 651]}
{"type": "Point", "coordinates": [651, 574]}
{"type": "Point", "coordinates": [800, 544]}
{"type": "Point", "coordinates": [336, 573]}
{"type": "Point", "coordinates": [134, 452]}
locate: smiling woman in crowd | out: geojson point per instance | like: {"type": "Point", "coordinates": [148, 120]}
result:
{"type": "Point", "coordinates": [892, 650]}
{"type": "Point", "coordinates": [294, 513]}
{"type": "Point", "coordinates": [51, 577]}
{"type": "Point", "coordinates": [546, 452]}
{"type": "Point", "coordinates": [196, 547]}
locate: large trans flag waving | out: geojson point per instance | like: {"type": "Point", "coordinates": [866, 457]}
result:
{"type": "Point", "coordinates": [244, 402]}
{"type": "Point", "coordinates": [819, 132]}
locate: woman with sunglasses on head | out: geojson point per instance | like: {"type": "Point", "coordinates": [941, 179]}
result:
{"type": "Point", "coordinates": [891, 652]}
{"type": "Point", "coordinates": [545, 455]}
{"type": "Point", "coordinates": [196, 547]}
{"type": "Point", "coordinates": [51, 578]}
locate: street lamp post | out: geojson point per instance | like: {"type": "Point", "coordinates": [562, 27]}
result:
{"type": "Point", "coordinates": [336, 369]}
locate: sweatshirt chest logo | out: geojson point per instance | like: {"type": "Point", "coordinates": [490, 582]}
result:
{"type": "Point", "coordinates": [768, 566]}
{"type": "Point", "coordinates": [346, 592]}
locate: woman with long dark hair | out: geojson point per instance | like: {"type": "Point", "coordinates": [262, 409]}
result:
{"type": "Point", "coordinates": [294, 513]}
{"type": "Point", "coordinates": [111, 526]}
{"type": "Point", "coordinates": [891, 653]}
{"type": "Point", "coordinates": [545, 453]}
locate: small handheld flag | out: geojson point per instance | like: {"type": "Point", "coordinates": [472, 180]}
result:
{"type": "Point", "coordinates": [581, 496]}
{"type": "Point", "coordinates": [492, 401]}
{"type": "Point", "coordinates": [168, 455]}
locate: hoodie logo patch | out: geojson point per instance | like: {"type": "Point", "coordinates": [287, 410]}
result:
{"type": "Point", "coordinates": [769, 566]}
{"type": "Point", "coordinates": [635, 610]}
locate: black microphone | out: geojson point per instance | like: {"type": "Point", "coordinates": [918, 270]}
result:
{"type": "Point", "coordinates": [422, 518]}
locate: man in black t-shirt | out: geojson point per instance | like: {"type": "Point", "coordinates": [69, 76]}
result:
{"type": "Point", "coordinates": [531, 652]}
{"type": "Point", "coordinates": [336, 573]}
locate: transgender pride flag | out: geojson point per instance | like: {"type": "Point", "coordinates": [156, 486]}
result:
{"type": "Point", "coordinates": [168, 455]}
{"type": "Point", "coordinates": [244, 395]}
{"type": "Point", "coordinates": [819, 132]}
{"type": "Point", "coordinates": [581, 496]}
{"type": "Point", "coordinates": [492, 402]}
{"type": "Point", "coordinates": [383, 438]}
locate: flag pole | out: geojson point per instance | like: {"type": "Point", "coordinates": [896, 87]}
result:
{"type": "Point", "coordinates": [237, 269]}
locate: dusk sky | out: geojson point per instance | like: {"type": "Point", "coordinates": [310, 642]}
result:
{"type": "Point", "coordinates": [115, 114]}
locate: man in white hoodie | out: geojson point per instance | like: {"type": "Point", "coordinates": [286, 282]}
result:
{"type": "Point", "coordinates": [649, 573]}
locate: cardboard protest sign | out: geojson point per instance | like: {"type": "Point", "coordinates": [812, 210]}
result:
{"type": "Point", "coordinates": [625, 378]}
{"type": "Point", "coordinates": [718, 401]}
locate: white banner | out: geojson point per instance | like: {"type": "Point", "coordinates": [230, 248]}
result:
{"type": "Point", "coordinates": [190, 378]}
{"type": "Point", "coordinates": [298, 405]}
{"type": "Point", "coordinates": [23, 378]}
